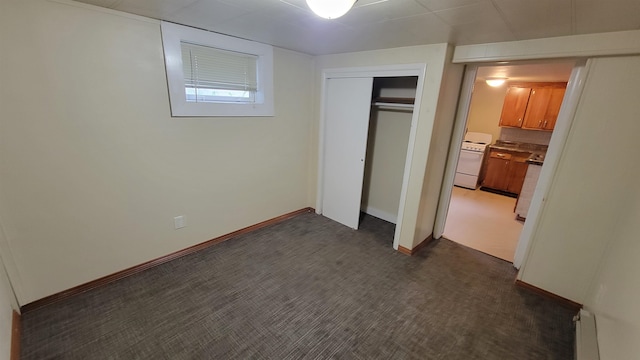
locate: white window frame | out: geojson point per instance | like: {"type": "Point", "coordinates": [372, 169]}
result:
{"type": "Point", "coordinates": [173, 34]}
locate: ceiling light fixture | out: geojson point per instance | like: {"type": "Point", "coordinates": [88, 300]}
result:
{"type": "Point", "coordinates": [330, 9]}
{"type": "Point", "coordinates": [495, 82]}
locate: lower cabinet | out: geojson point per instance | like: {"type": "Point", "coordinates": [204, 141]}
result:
{"type": "Point", "coordinates": [506, 171]}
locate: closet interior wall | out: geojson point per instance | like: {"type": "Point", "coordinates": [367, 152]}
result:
{"type": "Point", "coordinates": [388, 139]}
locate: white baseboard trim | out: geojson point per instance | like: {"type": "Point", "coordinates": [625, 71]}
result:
{"type": "Point", "coordinates": [380, 214]}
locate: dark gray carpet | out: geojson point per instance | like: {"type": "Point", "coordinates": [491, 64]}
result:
{"type": "Point", "coordinates": [308, 288]}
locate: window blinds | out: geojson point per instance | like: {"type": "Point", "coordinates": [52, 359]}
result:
{"type": "Point", "coordinates": [206, 67]}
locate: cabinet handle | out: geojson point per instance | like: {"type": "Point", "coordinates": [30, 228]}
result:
{"type": "Point", "coordinates": [520, 120]}
{"type": "Point", "coordinates": [545, 124]}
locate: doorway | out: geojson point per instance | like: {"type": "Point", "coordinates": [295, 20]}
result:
{"type": "Point", "coordinates": [483, 220]}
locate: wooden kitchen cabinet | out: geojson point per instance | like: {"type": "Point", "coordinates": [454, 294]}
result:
{"type": "Point", "coordinates": [496, 174]}
{"type": "Point", "coordinates": [543, 108]}
{"type": "Point", "coordinates": [532, 107]}
{"type": "Point", "coordinates": [514, 107]}
{"type": "Point", "coordinates": [506, 171]}
{"type": "Point", "coordinates": [517, 172]}
{"type": "Point", "coordinates": [557, 96]}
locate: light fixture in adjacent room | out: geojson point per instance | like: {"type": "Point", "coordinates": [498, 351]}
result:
{"type": "Point", "coordinates": [330, 9]}
{"type": "Point", "coordinates": [495, 81]}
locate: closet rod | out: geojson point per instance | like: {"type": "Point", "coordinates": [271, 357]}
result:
{"type": "Point", "coordinates": [393, 105]}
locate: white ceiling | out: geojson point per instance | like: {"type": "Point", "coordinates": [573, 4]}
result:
{"type": "Point", "coordinates": [377, 24]}
{"type": "Point", "coordinates": [536, 72]}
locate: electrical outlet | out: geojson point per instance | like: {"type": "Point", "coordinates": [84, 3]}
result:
{"type": "Point", "coordinates": [180, 221]}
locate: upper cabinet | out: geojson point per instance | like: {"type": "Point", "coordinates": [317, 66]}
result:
{"type": "Point", "coordinates": [515, 105]}
{"type": "Point", "coordinates": [533, 106]}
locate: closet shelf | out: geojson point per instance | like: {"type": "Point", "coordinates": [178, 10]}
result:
{"type": "Point", "coordinates": [395, 100]}
{"type": "Point", "coordinates": [398, 103]}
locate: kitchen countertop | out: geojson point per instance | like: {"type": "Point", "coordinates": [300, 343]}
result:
{"type": "Point", "coordinates": [537, 151]}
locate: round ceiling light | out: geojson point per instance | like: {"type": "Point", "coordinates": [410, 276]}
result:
{"type": "Point", "coordinates": [495, 82]}
{"type": "Point", "coordinates": [330, 9]}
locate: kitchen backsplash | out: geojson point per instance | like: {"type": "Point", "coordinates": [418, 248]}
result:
{"type": "Point", "coordinates": [525, 136]}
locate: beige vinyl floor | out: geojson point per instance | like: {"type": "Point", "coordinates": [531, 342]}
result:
{"type": "Point", "coordinates": [483, 221]}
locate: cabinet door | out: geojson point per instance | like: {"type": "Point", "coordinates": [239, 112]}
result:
{"type": "Point", "coordinates": [551, 115]}
{"type": "Point", "coordinates": [517, 172]}
{"type": "Point", "coordinates": [537, 108]}
{"type": "Point", "coordinates": [515, 104]}
{"type": "Point", "coordinates": [496, 176]}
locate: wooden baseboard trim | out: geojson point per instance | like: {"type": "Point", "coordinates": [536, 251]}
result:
{"type": "Point", "coordinates": [16, 326]}
{"type": "Point", "coordinates": [417, 248]}
{"type": "Point", "coordinates": [152, 263]}
{"type": "Point", "coordinates": [569, 304]}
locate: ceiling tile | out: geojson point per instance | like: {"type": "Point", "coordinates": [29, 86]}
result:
{"type": "Point", "coordinates": [206, 14]}
{"type": "Point", "coordinates": [376, 24]}
{"type": "Point", "coordinates": [476, 13]}
{"type": "Point", "coordinates": [415, 30]}
{"type": "Point", "coordinates": [482, 32]}
{"type": "Point", "coordinates": [604, 16]}
{"type": "Point", "coordinates": [437, 5]}
{"type": "Point", "coordinates": [525, 33]}
{"type": "Point", "coordinates": [103, 3]}
{"type": "Point", "coordinates": [529, 15]}
{"type": "Point", "coordinates": [157, 9]}
{"type": "Point", "coordinates": [382, 11]}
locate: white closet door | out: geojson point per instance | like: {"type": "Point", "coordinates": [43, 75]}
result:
{"type": "Point", "coordinates": [347, 109]}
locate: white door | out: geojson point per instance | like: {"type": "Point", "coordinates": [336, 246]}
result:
{"type": "Point", "coordinates": [347, 110]}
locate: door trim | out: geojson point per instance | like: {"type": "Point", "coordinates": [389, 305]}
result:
{"type": "Point", "coordinates": [552, 159]}
{"type": "Point", "coordinates": [455, 147]}
{"type": "Point", "coordinates": [418, 70]}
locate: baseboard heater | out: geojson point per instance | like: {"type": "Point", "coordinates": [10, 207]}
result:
{"type": "Point", "coordinates": [586, 336]}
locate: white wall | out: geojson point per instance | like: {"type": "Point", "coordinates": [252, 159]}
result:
{"type": "Point", "coordinates": [387, 144]}
{"type": "Point", "coordinates": [594, 188]}
{"type": "Point", "coordinates": [615, 293]}
{"type": "Point", "coordinates": [434, 56]}
{"type": "Point", "coordinates": [94, 168]}
{"type": "Point", "coordinates": [439, 149]}
{"type": "Point", "coordinates": [6, 313]}
{"type": "Point", "coordinates": [386, 155]}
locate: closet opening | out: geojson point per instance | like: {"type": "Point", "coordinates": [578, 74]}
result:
{"type": "Point", "coordinates": [387, 143]}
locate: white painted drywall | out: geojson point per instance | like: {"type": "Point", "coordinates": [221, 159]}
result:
{"type": "Point", "coordinates": [615, 293]}
{"type": "Point", "coordinates": [94, 168]}
{"type": "Point", "coordinates": [434, 56]}
{"type": "Point", "coordinates": [6, 314]}
{"type": "Point", "coordinates": [594, 188]}
{"type": "Point", "coordinates": [386, 154]}
{"type": "Point", "coordinates": [389, 130]}
{"type": "Point", "coordinates": [439, 149]}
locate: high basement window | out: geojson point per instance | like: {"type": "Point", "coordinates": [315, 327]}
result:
{"type": "Point", "coordinates": [216, 75]}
